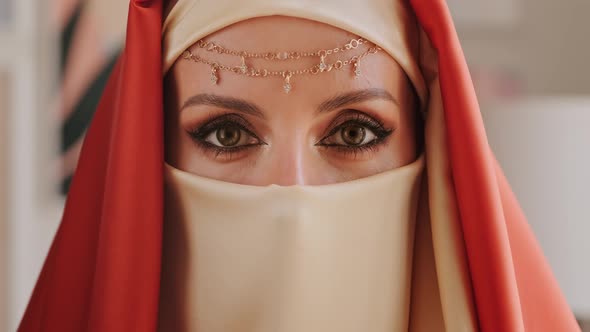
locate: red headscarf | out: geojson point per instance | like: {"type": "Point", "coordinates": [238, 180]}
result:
{"type": "Point", "coordinates": [103, 270]}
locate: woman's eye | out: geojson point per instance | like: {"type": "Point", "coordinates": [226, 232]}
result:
{"type": "Point", "coordinates": [351, 135]}
{"type": "Point", "coordinates": [229, 136]}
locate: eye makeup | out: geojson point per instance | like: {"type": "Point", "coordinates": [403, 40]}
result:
{"type": "Point", "coordinates": [334, 138]}
{"type": "Point", "coordinates": [201, 132]}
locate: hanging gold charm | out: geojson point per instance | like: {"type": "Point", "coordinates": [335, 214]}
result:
{"type": "Point", "coordinates": [357, 68]}
{"type": "Point", "coordinates": [247, 69]}
{"type": "Point", "coordinates": [214, 75]}
{"type": "Point", "coordinates": [287, 85]}
{"type": "Point", "coordinates": [243, 67]}
{"type": "Point", "coordinates": [323, 65]}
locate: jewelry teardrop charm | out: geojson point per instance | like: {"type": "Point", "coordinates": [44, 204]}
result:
{"type": "Point", "coordinates": [243, 67]}
{"type": "Point", "coordinates": [287, 84]}
{"type": "Point", "coordinates": [357, 68]}
{"type": "Point", "coordinates": [214, 75]}
{"type": "Point", "coordinates": [323, 65]}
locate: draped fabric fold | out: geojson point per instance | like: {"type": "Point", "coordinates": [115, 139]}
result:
{"type": "Point", "coordinates": [495, 231]}
{"type": "Point", "coordinates": [103, 270]}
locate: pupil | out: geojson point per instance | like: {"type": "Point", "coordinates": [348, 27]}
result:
{"type": "Point", "coordinates": [353, 135]}
{"type": "Point", "coordinates": [229, 136]}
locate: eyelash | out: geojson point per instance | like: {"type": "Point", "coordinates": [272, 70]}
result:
{"type": "Point", "coordinates": [350, 117]}
{"type": "Point", "coordinates": [201, 131]}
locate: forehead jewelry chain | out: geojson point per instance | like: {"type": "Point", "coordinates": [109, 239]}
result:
{"type": "Point", "coordinates": [322, 66]}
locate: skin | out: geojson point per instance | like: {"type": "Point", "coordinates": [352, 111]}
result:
{"type": "Point", "coordinates": [297, 138]}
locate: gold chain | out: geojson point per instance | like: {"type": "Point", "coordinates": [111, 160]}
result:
{"type": "Point", "coordinates": [244, 69]}
{"type": "Point", "coordinates": [213, 47]}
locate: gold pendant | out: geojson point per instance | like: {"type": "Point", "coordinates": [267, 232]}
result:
{"type": "Point", "coordinates": [357, 68]}
{"type": "Point", "coordinates": [214, 75]}
{"type": "Point", "coordinates": [323, 65]}
{"type": "Point", "coordinates": [287, 85]}
{"type": "Point", "coordinates": [243, 67]}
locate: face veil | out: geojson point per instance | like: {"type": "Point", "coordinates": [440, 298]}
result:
{"type": "Point", "coordinates": [289, 258]}
{"type": "Point", "coordinates": [103, 270]}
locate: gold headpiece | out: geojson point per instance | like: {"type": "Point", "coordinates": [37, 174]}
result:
{"type": "Point", "coordinates": [250, 71]}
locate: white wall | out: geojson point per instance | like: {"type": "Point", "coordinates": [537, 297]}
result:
{"type": "Point", "coordinates": [543, 145]}
{"type": "Point", "coordinates": [28, 56]}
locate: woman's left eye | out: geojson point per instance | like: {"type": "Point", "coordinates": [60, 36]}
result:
{"type": "Point", "coordinates": [357, 133]}
{"type": "Point", "coordinates": [352, 135]}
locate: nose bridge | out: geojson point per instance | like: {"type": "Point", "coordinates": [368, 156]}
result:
{"type": "Point", "coordinates": [289, 162]}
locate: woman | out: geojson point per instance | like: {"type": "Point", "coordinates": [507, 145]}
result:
{"type": "Point", "coordinates": [302, 189]}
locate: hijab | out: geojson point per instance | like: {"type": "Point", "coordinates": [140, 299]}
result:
{"type": "Point", "coordinates": [103, 270]}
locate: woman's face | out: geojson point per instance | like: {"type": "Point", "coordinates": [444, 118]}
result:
{"type": "Point", "coordinates": [331, 127]}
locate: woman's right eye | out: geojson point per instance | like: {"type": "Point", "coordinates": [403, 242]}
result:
{"type": "Point", "coordinates": [227, 133]}
{"type": "Point", "coordinates": [230, 136]}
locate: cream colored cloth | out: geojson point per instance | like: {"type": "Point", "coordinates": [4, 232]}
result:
{"type": "Point", "coordinates": [387, 23]}
{"type": "Point", "coordinates": [441, 294]}
{"type": "Point", "coordinates": [289, 259]}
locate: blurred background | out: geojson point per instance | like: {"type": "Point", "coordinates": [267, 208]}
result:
{"type": "Point", "coordinates": [529, 62]}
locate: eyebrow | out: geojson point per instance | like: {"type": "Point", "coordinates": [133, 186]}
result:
{"type": "Point", "coordinates": [230, 103]}
{"type": "Point", "coordinates": [354, 97]}
{"type": "Point", "coordinates": [243, 106]}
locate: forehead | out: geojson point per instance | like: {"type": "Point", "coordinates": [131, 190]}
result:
{"type": "Point", "coordinates": [285, 34]}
